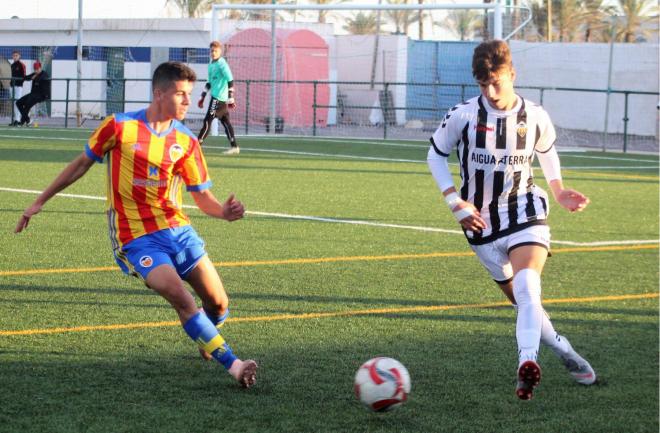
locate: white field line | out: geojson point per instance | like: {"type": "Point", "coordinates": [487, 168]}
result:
{"type": "Point", "coordinates": [373, 158]}
{"type": "Point", "coordinates": [356, 222]}
{"type": "Point", "coordinates": [368, 158]}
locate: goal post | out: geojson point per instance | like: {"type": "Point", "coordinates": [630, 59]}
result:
{"type": "Point", "coordinates": [277, 66]}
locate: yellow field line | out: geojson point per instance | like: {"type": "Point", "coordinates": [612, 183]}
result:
{"type": "Point", "coordinates": [332, 314]}
{"type": "Point", "coordinates": [331, 259]}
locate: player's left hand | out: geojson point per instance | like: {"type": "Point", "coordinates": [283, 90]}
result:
{"type": "Point", "coordinates": [572, 200]}
{"type": "Point", "coordinates": [232, 209]}
{"type": "Point", "coordinates": [231, 103]}
{"type": "Point", "coordinates": [25, 218]}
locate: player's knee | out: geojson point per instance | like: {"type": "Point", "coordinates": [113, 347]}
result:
{"type": "Point", "coordinates": [216, 307]}
{"type": "Point", "coordinates": [527, 287]}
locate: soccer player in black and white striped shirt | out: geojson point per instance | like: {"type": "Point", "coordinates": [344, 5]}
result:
{"type": "Point", "coordinates": [503, 213]}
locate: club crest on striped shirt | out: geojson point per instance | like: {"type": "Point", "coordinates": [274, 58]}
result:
{"type": "Point", "coordinates": [176, 152]}
{"type": "Point", "coordinates": [521, 129]}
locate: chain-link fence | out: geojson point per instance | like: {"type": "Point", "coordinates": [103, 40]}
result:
{"type": "Point", "coordinates": [387, 110]}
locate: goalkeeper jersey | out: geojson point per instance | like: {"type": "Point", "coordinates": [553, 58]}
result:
{"type": "Point", "coordinates": [219, 78]}
{"type": "Point", "coordinates": [145, 173]}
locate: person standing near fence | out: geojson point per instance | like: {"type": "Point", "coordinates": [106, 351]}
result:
{"type": "Point", "coordinates": [150, 155]}
{"type": "Point", "coordinates": [221, 85]}
{"type": "Point", "coordinates": [18, 72]}
{"type": "Point", "coordinates": [40, 92]}
{"type": "Point", "coordinates": [503, 213]}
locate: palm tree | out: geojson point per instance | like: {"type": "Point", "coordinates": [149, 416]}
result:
{"type": "Point", "coordinates": [257, 15]}
{"type": "Point", "coordinates": [323, 14]}
{"type": "Point", "coordinates": [463, 23]}
{"type": "Point", "coordinates": [595, 15]}
{"type": "Point", "coordinates": [485, 31]}
{"type": "Point", "coordinates": [401, 19]}
{"type": "Point", "coordinates": [568, 16]}
{"type": "Point", "coordinates": [361, 24]}
{"type": "Point", "coordinates": [192, 8]}
{"type": "Point", "coordinates": [420, 20]}
{"type": "Point", "coordinates": [540, 19]}
{"type": "Point", "coordinates": [636, 13]}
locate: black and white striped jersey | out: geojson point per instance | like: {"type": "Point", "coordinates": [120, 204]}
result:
{"type": "Point", "coordinates": [495, 152]}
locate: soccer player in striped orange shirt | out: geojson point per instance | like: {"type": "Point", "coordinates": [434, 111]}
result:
{"type": "Point", "coordinates": [150, 154]}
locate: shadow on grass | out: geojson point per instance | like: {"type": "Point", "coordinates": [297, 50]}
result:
{"type": "Point", "coordinates": [152, 381]}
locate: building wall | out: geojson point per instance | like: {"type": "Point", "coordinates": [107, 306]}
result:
{"type": "Point", "coordinates": [582, 65]}
{"type": "Point", "coordinates": [354, 59]}
{"type": "Point", "coordinates": [576, 65]}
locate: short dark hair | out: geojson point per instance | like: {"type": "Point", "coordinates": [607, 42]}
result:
{"type": "Point", "coordinates": [15, 52]}
{"type": "Point", "coordinates": [489, 57]}
{"type": "Point", "coordinates": [169, 72]}
{"type": "Point", "coordinates": [215, 44]}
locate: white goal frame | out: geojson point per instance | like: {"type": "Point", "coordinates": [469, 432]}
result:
{"type": "Point", "coordinates": [496, 6]}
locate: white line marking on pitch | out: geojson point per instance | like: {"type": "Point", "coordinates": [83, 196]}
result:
{"type": "Point", "coordinates": [355, 222]}
{"type": "Point", "coordinates": [369, 158]}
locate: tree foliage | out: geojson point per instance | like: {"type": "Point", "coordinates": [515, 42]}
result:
{"type": "Point", "coordinates": [592, 20]}
{"type": "Point", "coordinates": [361, 24]}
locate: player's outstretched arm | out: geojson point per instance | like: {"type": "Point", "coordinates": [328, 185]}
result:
{"type": "Point", "coordinates": [230, 210]}
{"type": "Point", "coordinates": [569, 199]}
{"type": "Point", "coordinates": [74, 171]}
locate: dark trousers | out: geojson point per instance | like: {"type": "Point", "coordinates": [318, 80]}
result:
{"type": "Point", "coordinates": [26, 103]}
{"type": "Point", "coordinates": [217, 109]}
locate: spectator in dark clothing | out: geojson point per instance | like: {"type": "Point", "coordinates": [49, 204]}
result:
{"type": "Point", "coordinates": [39, 93]}
{"type": "Point", "coordinates": [17, 78]}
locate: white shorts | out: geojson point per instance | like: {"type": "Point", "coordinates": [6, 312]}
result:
{"type": "Point", "coordinates": [495, 255]}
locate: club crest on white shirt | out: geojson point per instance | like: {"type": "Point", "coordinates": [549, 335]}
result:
{"type": "Point", "coordinates": [521, 129]}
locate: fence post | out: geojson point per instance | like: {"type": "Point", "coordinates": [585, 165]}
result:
{"type": "Point", "coordinates": [13, 99]}
{"type": "Point", "coordinates": [541, 96]}
{"type": "Point", "coordinates": [123, 97]}
{"type": "Point", "coordinates": [384, 111]}
{"type": "Point", "coordinates": [625, 122]}
{"type": "Point", "coordinates": [247, 105]}
{"type": "Point", "coordinates": [66, 105]}
{"type": "Point", "coordinates": [462, 92]}
{"type": "Point", "coordinates": [314, 111]}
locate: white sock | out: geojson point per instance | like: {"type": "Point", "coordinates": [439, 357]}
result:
{"type": "Point", "coordinates": [550, 337]}
{"type": "Point", "coordinates": [527, 291]}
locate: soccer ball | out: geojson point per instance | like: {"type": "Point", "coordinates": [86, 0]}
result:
{"type": "Point", "coordinates": [382, 384]}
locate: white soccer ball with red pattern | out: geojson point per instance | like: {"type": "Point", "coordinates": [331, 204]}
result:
{"type": "Point", "coordinates": [382, 384]}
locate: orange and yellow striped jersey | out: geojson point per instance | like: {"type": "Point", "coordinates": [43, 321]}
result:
{"type": "Point", "coordinates": [145, 174]}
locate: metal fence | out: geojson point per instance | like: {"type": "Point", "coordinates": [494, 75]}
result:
{"type": "Point", "coordinates": [388, 110]}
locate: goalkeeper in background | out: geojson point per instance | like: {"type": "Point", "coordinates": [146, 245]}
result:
{"type": "Point", "coordinates": [221, 84]}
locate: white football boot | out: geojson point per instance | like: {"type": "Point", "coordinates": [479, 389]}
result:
{"type": "Point", "coordinates": [577, 366]}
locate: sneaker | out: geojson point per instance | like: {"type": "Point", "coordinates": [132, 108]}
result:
{"type": "Point", "coordinates": [247, 376]}
{"type": "Point", "coordinates": [529, 377]}
{"type": "Point", "coordinates": [232, 151]}
{"type": "Point", "coordinates": [577, 366]}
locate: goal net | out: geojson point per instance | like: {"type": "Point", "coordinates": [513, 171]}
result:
{"type": "Point", "coordinates": [347, 70]}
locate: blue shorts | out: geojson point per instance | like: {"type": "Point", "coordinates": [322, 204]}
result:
{"type": "Point", "coordinates": [179, 247]}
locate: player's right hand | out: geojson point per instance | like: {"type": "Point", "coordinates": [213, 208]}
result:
{"type": "Point", "coordinates": [25, 218]}
{"type": "Point", "coordinates": [472, 222]}
{"type": "Point", "coordinates": [200, 103]}
{"type": "Point", "coordinates": [232, 209]}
